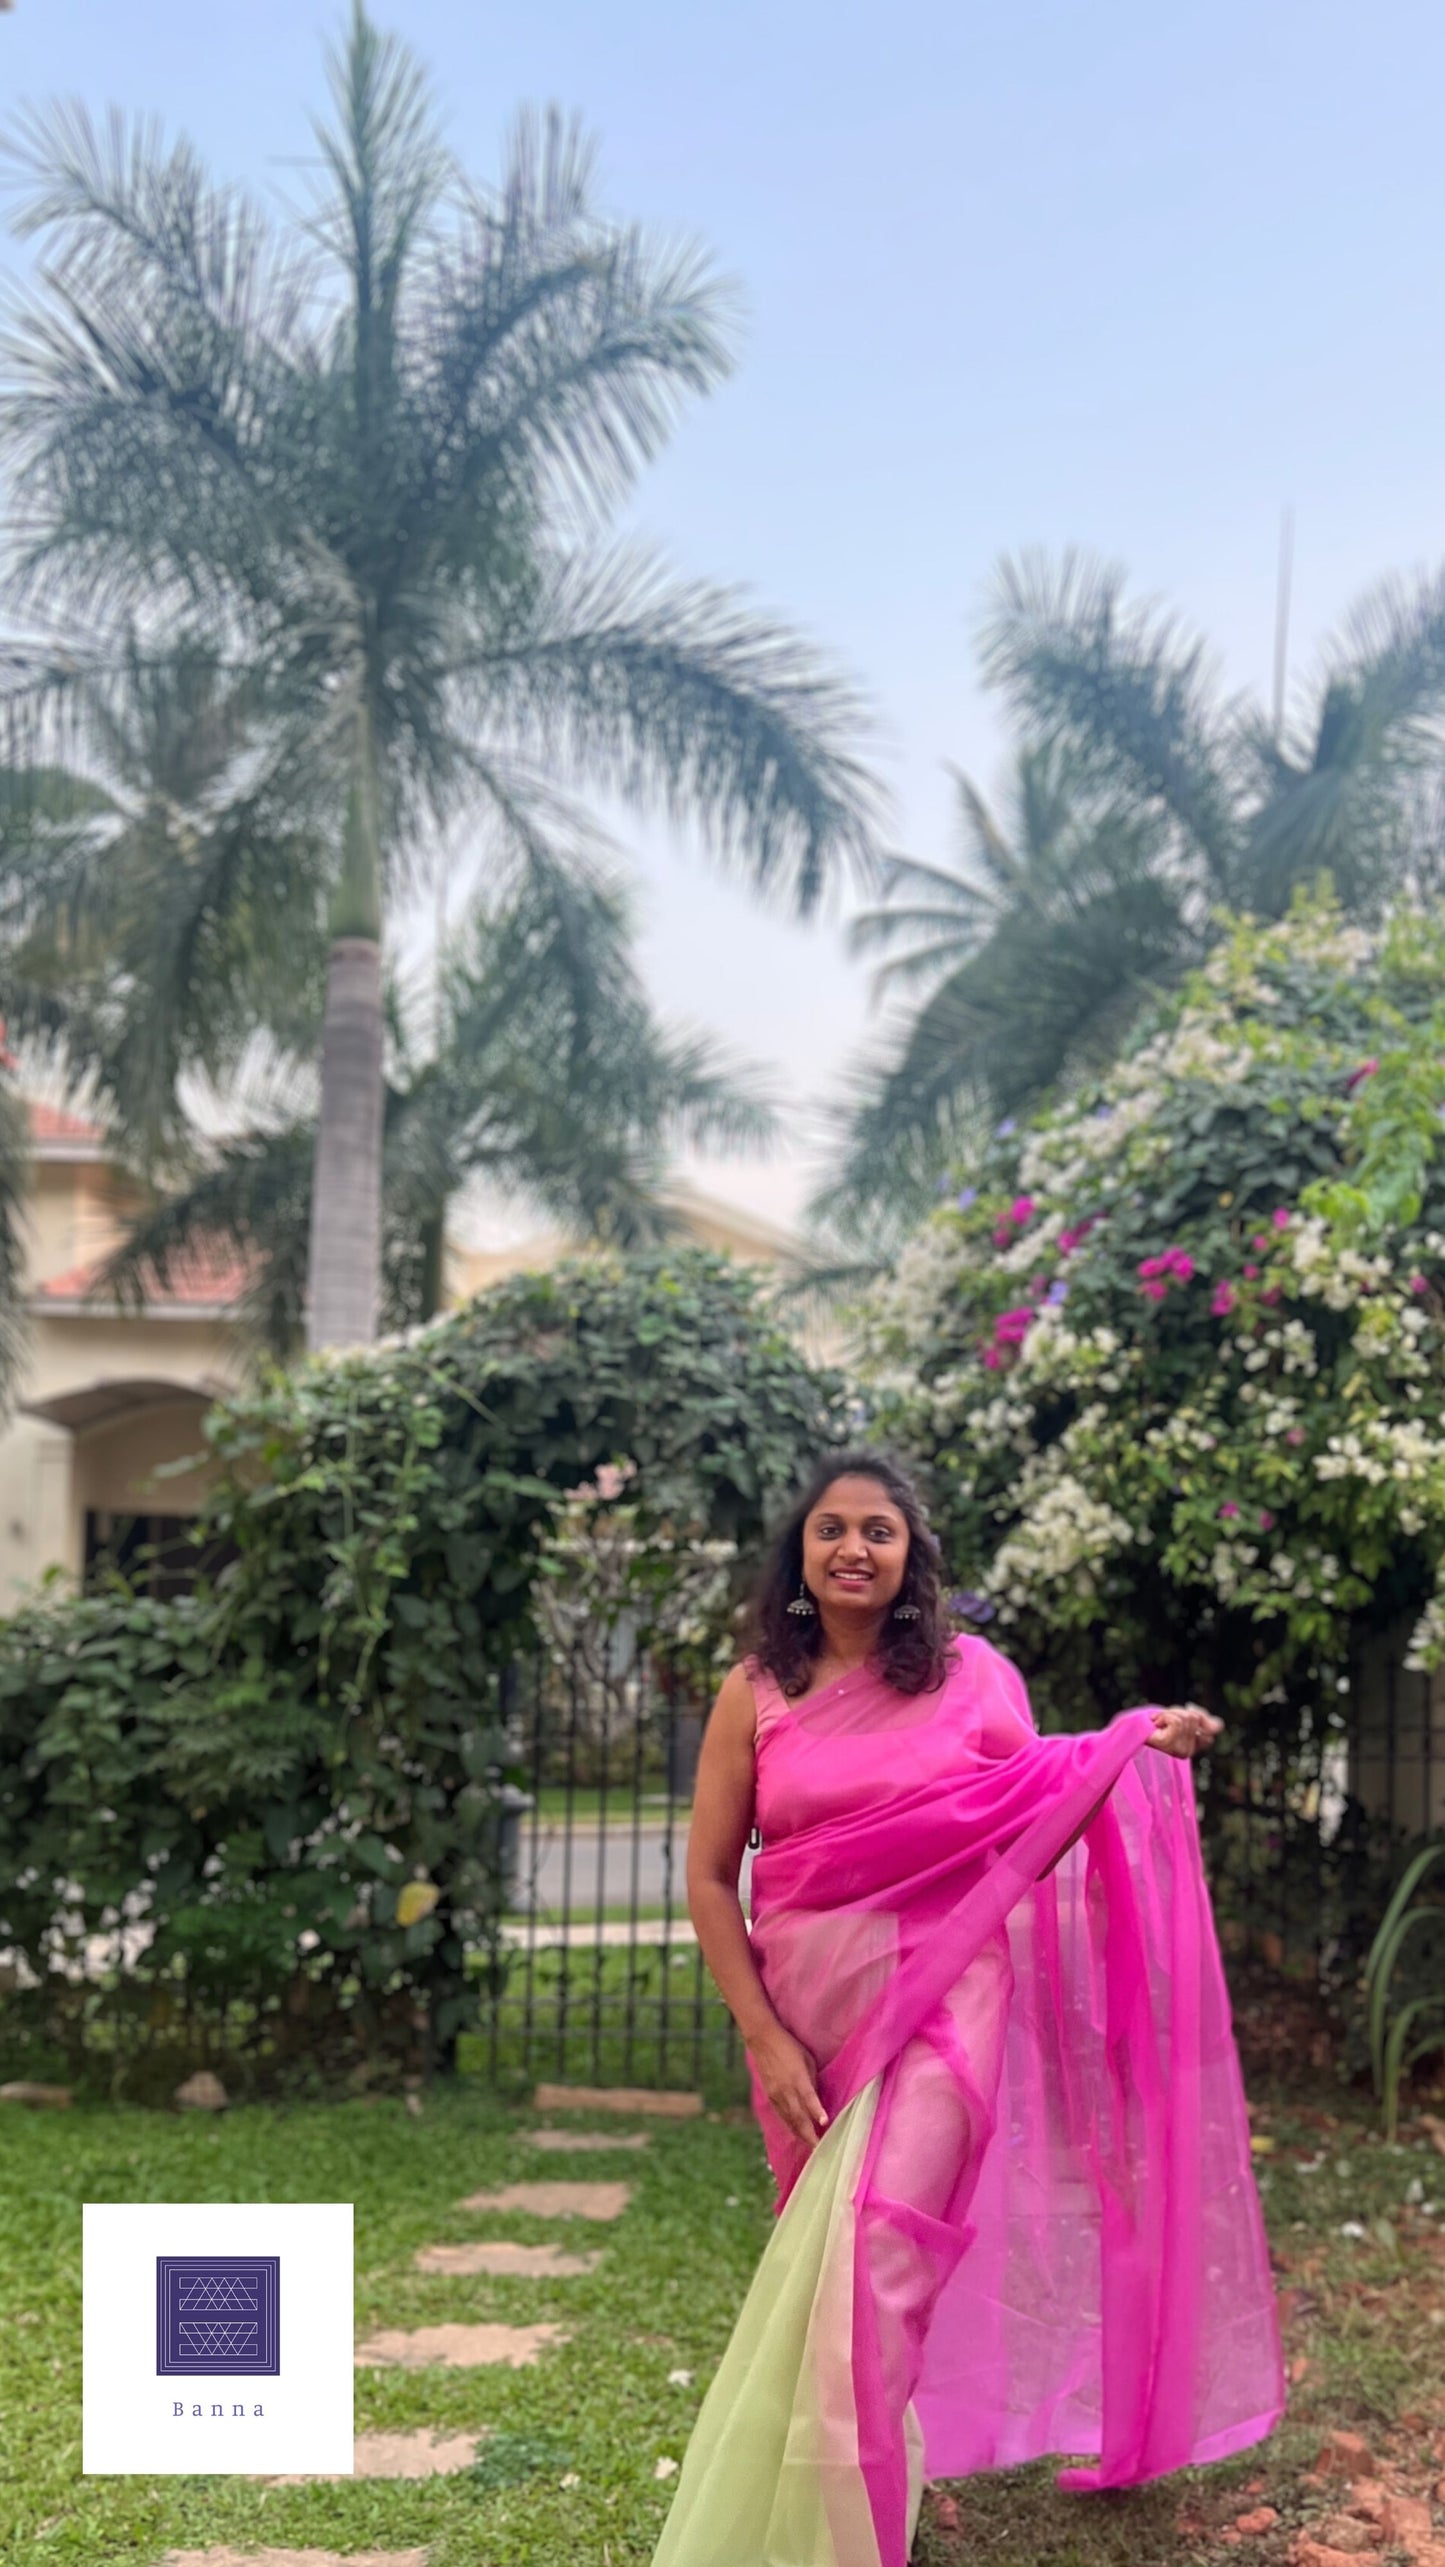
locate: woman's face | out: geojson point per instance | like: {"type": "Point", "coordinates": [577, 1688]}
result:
{"type": "Point", "coordinates": [855, 1547]}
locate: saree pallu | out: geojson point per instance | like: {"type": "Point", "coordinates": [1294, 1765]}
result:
{"type": "Point", "coordinates": [1031, 2226]}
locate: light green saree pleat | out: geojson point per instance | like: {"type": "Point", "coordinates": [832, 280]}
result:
{"type": "Point", "coordinates": [771, 2476]}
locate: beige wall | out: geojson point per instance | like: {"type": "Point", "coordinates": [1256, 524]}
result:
{"type": "Point", "coordinates": [37, 1527]}
{"type": "Point", "coordinates": [76, 1353]}
{"type": "Point", "coordinates": [49, 1477]}
{"type": "Point", "coordinates": [49, 1473]}
{"type": "Point", "coordinates": [73, 1213]}
{"type": "Point", "coordinates": [141, 1382]}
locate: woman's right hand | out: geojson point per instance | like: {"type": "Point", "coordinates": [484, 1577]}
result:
{"type": "Point", "coordinates": [788, 2076]}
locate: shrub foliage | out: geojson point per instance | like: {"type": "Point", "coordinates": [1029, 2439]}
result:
{"type": "Point", "coordinates": [1173, 1355]}
{"type": "Point", "coordinates": [294, 1777]}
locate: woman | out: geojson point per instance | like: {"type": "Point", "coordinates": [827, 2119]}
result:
{"type": "Point", "coordinates": [990, 2051]}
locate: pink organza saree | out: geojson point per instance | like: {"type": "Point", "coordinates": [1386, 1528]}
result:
{"type": "Point", "coordinates": [1032, 2225]}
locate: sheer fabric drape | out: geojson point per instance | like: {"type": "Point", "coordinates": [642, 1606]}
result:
{"type": "Point", "coordinates": [1032, 2227]}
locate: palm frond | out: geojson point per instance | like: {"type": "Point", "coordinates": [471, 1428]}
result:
{"type": "Point", "coordinates": [676, 692]}
{"type": "Point", "coordinates": [142, 382]}
{"type": "Point", "coordinates": [1338, 799]}
{"type": "Point", "coordinates": [179, 897]}
{"type": "Point", "coordinates": [985, 847]}
{"type": "Point", "coordinates": [1122, 688]}
{"type": "Point", "coordinates": [558, 345]}
{"type": "Point", "coordinates": [388, 167]}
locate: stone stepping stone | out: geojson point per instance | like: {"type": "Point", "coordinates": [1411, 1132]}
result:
{"type": "Point", "coordinates": [460, 2348]}
{"type": "Point", "coordinates": [226, 2556]}
{"type": "Point", "coordinates": [578, 2141]}
{"type": "Point", "coordinates": [628, 2099]}
{"type": "Point", "coordinates": [499, 2255]}
{"type": "Point", "coordinates": [419, 2454]}
{"type": "Point", "coordinates": [556, 2201]}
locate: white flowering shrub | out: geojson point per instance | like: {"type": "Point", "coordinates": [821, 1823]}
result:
{"type": "Point", "coordinates": [1172, 1356]}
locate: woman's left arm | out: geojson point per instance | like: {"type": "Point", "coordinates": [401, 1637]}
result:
{"type": "Point", "coordinates": [1180, 1731]}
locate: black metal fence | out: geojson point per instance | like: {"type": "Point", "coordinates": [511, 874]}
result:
{"type": "Point", "coordinates": [602, 1981]}
{"type": "Point", "coordinates": [1305, 1829]}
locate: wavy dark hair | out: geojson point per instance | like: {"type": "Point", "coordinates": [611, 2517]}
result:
{"type": "Point", "coordinates": [912, 1653]}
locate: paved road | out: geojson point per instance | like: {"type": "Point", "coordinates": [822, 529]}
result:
{"type": "Point", "coordinates": [602, 1868]}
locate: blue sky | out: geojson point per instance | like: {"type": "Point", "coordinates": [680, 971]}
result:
{"type": "Point", "coordinates": [1124, 276]}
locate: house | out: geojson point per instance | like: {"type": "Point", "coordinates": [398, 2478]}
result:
{"type": "Point", "coordinates": [110, 1406]}
{"type": "Point", "coordinates": [109, 1393]}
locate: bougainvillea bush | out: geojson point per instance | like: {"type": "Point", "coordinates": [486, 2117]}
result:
{"type": "Point", "coordinates": [1172, 1355]}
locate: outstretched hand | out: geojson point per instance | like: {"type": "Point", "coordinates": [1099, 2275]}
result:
{"type": "Point", "coordinates": [1183, 1730]}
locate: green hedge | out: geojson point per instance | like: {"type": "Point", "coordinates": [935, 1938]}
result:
{"type": "Point", "coordinates": [272, 1761]}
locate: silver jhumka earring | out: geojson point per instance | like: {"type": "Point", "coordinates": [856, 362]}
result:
{"type": "Point", "coordinates": [905, 1613]}
{"type": "Point", "coordinates": [802, 1603]}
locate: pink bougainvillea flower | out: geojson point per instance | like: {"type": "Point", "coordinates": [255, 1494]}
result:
{"type": "Point", "coordinates": [1172, 1265]}
{"type": "Point", "coordinates": [1295, 1435]}
{"type": "Point", "coordinates": [1260, 1239]}
{"type": "Point", "coordinates": [1250, 1273]}
{"type": "Point", "coordinates": [1002, 1234]}
{"type": "Point", "coordinates": [1073, 1237]}
{"type": "Point", "coordinates": [1223, 1301]}
{"type": "Point", "coordinates": [1229, 1507]}
{"type": "Point", "coordinates": [1366, 1069]}
{"type": "Point", "coordinates": [1281, 1217]}
{"type": "Point", "coordinates": [1271, 1296]}
{"type": "Point", "coordinates": [993, 1357]}
{"type": "Point", "coordinates": [1012, 1326]}
{"type": "Point", "coordinates": [1418, 1284]}
{"type": "Point", "coordinates": [1021, 1209]}
{"type": "Point", "coordinates": [1266, 1520]}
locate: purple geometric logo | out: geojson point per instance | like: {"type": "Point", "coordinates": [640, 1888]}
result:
{"type": "Point", "coordinates": [218, 2313]}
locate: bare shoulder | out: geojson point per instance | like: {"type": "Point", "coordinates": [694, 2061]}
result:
{"type": "Point", "coordinates": [734, 1713]}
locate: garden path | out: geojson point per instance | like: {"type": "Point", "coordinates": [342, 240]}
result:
{"type": "Point", "coordinates": [227, 2556]}
{"type": "Point", "coordinates": [421, 2453]}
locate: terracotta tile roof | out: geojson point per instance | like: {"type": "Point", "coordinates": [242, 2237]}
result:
{"type": "Point", "coordinates": [52, 1123]}
{"type": "Point", "coordinates": [206, 1279]}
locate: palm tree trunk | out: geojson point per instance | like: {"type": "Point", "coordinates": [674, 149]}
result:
{"type": "Point", "coordinates": [344, 1268]}
{"type": "Point", "coordinates": [343, 1284]}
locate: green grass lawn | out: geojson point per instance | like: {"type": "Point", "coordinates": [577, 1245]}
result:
{"type": "Point", "coordinates": [1365, 2320]}
{"type": "Point", "coordinates": [588, 1801]}
{"type": "Point", "coordinates": [650, 2017]}
{"type": "Point", "coordinates": [663, 2299]}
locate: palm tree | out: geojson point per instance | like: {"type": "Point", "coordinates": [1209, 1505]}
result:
{"type": "Point", "coordinates": [1143, 803]}
{"type": "Point", "coordinates": [548, 1076]}
{"type": "Point", "coordinates": [160, 900]}
{"type": "Point", "coordinates": [1249, 811]}
{"type": "Point", "coordinates": [1025, 964]}
{"type": "Point", "coordinates": [376, 456]}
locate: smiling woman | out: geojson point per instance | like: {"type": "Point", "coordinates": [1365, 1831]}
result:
{"type": "Point", "coordinates": [968, 2045]}
{"type": "Point", "coordinates": [858, 1541]}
